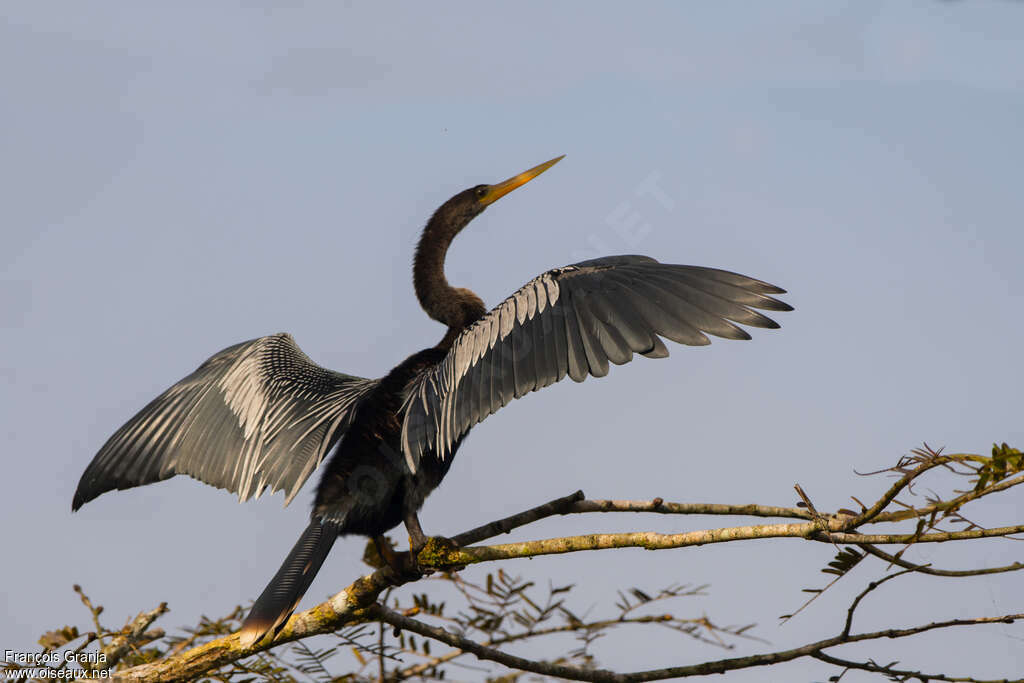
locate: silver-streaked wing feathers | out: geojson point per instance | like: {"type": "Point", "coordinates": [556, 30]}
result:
{"type": "Point", "coordinates": [574, 321]}
{"type": "Point", "coordinates": [258, 414]}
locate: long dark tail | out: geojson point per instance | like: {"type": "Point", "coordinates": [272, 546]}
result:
{"type": "Point", "coordinates": [282, 595]}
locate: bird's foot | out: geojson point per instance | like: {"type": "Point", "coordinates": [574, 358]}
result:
{"type": "Point", "coordinates": [381, 553]}
{"type": "Point", "coordinates": [437, 553]}
{"type": "Point", "coordinates": [417, 542]}
{"type": "Point", "coordinates": [429, 554]}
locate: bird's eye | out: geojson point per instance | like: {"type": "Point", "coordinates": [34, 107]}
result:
{"type": "Point", "coordinates": [481, 191]}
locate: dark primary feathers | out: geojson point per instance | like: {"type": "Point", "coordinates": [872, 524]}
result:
{"type": "Point", "coordinates": [258, 414]}
{"type": "Point", "coordinates": [573, 321]}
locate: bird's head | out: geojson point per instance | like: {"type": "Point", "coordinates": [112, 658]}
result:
{"type": "Point", "coordinates": [457, 308]}
{"type": "Point", "coordinates": [468, 204]}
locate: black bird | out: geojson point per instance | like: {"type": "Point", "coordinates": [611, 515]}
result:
{"type": "Point", "coordinates": [261, 414]}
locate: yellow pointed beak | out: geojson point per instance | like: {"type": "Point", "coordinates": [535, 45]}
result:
{"type": "Point", "coordinates": [496, 192]}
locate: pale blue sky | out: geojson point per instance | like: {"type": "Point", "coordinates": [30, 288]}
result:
{"type": "Point", "coordinates": [182, 177]}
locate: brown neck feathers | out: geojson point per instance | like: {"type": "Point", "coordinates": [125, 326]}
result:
{"type": "Point", "coordinates": [454, 306]}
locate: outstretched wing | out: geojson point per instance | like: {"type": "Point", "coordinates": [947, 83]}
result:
{"type": "Point", "coordinates": [573, 321]}
{"type": "Point", "coordinates": [258, 414]}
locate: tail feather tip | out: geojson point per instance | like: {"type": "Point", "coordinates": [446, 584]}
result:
{"type": "Point", "coordinates": [252, 633]}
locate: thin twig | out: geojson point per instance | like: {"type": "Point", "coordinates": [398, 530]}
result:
{"type": "Point", "coordinates": [819, 519]}
{"type": "Point", "coordinates": [537, 633]}
{"type": "Point", "coordinates": [659, 506]}
{"type": "Point", "coordinates": [130, 636]}
{"type": "Point", "coordinates": [575, 504]}
{"type": "Point", "coordinates": [927, 569]}
{"type": "Point", "coordinates": [503, 526]}
{"type": "Point", "coordinates": [860, 596]}
{"type": "Point", "coordinates": [894, 490]}
{"type": "Point", "coordinates": [380, 640]}
{"type": "Point", "coordinates": [951, 504]}
{"type": "Point", "coordinates": [483, 652]}
{"type": "Point", "coordinates": [904, 674]}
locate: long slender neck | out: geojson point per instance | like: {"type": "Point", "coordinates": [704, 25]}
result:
{"type": "Point", "coordinates": [432, 288]}
{"type": "Point", "coordinates": [455, 307]}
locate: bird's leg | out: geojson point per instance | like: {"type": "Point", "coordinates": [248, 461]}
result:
{"type": "Point", "coordinates": [417, 539]}
{"type": "Point", "coordinates": [440, 547]}
{"type": "Point", "coordinates": [387, 553]}
{"type": "Point", "coordinates": [402, 564]}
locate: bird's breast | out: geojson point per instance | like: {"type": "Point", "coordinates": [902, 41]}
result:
{"type": "Point", "coordinates": [366, 486]}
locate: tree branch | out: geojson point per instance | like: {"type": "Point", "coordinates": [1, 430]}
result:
{"type": "Point", "coordinates": [951, 504]}
{"type": "Point", "coordinates": [659, 506]}
{"type": "Point", "coordinates": [133, 633]}
{"type": "Point", "coordinates": [418, 669]}
{"type": "Point", "coordinates": [442, 557]}
{"type": "Point", "coordinates": [575, 503]}
{"type": "Point", "coordinates": [356, 603]}
{"type": "Point", "coordinates": [558, 506]}
{"type": "Point", "coordinates": [891, 672]}
{"type": "Point", "coordinates": [713, 667]}
{"type": "Point", "coordinates": [925, 569]}
{"type": "Point", "coordinates": [860, 596]}
{"type": "Point", "coordinates": [346, 607]}
{"type": "Point", "coordinates": [483, 652]}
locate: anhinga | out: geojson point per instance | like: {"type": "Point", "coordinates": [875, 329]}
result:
{"type": "Point", "coordinates": [261, 414]}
